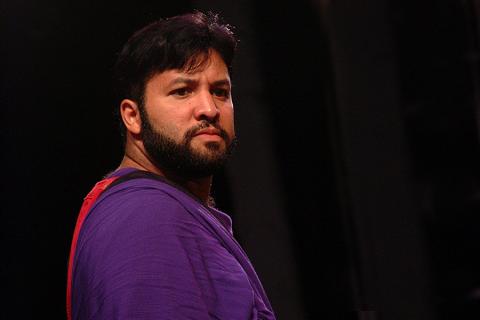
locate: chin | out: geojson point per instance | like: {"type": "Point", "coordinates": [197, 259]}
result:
{"type": "Point", "coordinates": [208, 147]}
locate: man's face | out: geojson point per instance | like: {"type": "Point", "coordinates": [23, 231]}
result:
{"type": "Point", "coordinates": [187, 119]}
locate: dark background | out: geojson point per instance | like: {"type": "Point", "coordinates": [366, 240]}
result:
{"type": "Point", "coordinates": [356, 186]}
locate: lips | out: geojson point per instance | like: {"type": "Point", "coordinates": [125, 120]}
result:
{"type": "Point", "coordinates": [208, 131]}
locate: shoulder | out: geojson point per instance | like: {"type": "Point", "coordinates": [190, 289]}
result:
{"type": "Point", "coordinates": [140, 199]}
{"type": "Point", "coordinates": [137, 209]}
{"type": "Point", "coordinates": [138, 242]}
{"type": "Point", "coordinates": [134, 216]}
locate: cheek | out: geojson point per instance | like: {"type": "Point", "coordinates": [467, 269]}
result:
{"type": "Point", "coordinates": [228, 122]}
{"type": "Point", "coordinates": [170, 123]}
{"type": "Point", "coordinates": [172, 131]}
{"type": "Point", "coordinates": [168, 127]}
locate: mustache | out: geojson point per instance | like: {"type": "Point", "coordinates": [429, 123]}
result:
{"type": "Point", "coordinates": [203, 125]}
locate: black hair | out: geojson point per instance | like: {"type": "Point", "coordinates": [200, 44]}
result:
{"type": "Point", "coordinates": [181, 42]}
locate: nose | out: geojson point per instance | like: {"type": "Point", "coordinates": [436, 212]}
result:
{"type": "Point", "coordinates": [205, 108]}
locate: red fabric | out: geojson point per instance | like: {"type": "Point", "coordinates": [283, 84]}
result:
{"type": "Point", "coordinates": [87, 204]}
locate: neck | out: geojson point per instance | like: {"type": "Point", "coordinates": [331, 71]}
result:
{"type": "Point", "coordinates": [200, 187]}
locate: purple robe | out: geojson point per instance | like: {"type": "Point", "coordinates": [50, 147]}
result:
{"type": "Point", "coordinates": [148, 250]}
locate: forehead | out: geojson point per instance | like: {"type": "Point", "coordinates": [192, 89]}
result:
{"type": "Point", "coordinates": [202, 61]}
{"type": "Point", "coordinates": [211, 67]}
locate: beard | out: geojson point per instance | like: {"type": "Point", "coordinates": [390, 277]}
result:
{"type": "Point", "coordinates": [180, 158]}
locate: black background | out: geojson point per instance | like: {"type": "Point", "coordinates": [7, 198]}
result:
{"type": "Point", "coordinates": [368, 107]}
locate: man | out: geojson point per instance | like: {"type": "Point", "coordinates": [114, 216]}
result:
{"type": "Point", "coordinates": [148, 244]}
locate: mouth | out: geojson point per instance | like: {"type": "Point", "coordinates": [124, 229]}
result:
{"type": "Point", "coordinates": [208, 132]}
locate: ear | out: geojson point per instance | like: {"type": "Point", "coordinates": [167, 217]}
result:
{"type": "Point", "coordinates": [131, 116]}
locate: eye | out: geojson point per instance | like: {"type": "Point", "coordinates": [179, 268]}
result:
{"type": "Point", "coordinates": [181, 92]}
{"type": "Point", "coordinates": [221, 92]}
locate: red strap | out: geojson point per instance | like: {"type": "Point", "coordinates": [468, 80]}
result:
{"type": "Point", "coordinates": [87, 204]}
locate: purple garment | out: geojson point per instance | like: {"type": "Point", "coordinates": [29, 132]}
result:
{"type": "Point", "coordinates": [148, 250]}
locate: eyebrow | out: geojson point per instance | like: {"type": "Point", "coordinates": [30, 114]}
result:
{"type": "Point", "coordinates": [223, 82]}
{"type": "Point", "coordinates": [182, 80]}
{"type": "Point", "coordinates": [189, 81]}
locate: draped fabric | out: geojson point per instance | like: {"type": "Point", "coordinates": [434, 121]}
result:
{"type": "Point", "coordinates": [149, 250]}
